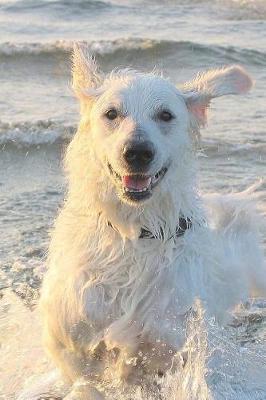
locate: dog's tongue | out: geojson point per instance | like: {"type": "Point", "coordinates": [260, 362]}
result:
{"type": "Point", "coordinates": [136, 182]}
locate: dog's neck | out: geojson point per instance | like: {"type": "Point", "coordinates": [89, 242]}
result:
{"type": "Point", "coordinates": [160, 216]}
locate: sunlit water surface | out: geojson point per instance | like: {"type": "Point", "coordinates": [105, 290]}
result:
{"type": "Point", "coordinates": [39, 116]}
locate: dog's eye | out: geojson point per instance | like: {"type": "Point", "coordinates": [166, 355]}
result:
{"type": "Point", "coordinates": [111, 114]}
{"type": "Point", "coordinates": [165, 116]}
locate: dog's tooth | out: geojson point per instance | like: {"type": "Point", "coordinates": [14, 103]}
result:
{"type": "Point", "coordinates": [135, 190]}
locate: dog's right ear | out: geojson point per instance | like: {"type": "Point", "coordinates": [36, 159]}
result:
{"type": "Point", "coordinates": [86, 77]}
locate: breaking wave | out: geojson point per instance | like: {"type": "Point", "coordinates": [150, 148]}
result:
{"type": "Point", "coordinates": [133, 46]}
{"type": "Point", "coordinates": [43, 132]}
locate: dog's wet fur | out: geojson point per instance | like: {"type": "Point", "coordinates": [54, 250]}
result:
{"type": "Point", "coordinates": [114, 305]}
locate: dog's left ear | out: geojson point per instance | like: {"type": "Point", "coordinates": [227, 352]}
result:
{"type": "Point", "coordinates": [86, 77]}
{"type": "Point", "coordinates": [214, 83]}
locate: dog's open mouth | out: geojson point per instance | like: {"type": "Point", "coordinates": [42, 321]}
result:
{"type": "Point", "coordinates": [137, 187]}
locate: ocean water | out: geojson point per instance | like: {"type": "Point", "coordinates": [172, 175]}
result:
{"type": "Point", "coordinates": [38, 116]}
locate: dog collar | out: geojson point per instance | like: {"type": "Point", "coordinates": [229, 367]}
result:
{"type": "Point", "coordinates": [183, 225]}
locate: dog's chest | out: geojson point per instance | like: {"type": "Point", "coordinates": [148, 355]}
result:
{"type": "Point", "coordinates": [140, 285]}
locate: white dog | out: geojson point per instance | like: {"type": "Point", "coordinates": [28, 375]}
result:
{"type": "Point", "coordinates": [135, 244]}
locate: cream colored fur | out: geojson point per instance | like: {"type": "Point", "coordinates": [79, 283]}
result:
{"type": "Point", "coordinates": [114, 305]}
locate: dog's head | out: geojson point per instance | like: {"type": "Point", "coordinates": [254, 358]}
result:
{"type": "Point", "coordinates": [141, 126]}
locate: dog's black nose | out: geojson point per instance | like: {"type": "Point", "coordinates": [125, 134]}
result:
{"type": "Point", "coordinates": [138, 154]}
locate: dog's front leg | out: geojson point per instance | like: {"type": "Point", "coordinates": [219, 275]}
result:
{"type": "Point", "coordinates": [77, 368]}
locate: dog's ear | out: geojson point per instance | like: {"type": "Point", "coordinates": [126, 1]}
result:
{"type": "Point", "coordinates": [86, 77]}
{"type": "Point", "coordinates": [214, 83]}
